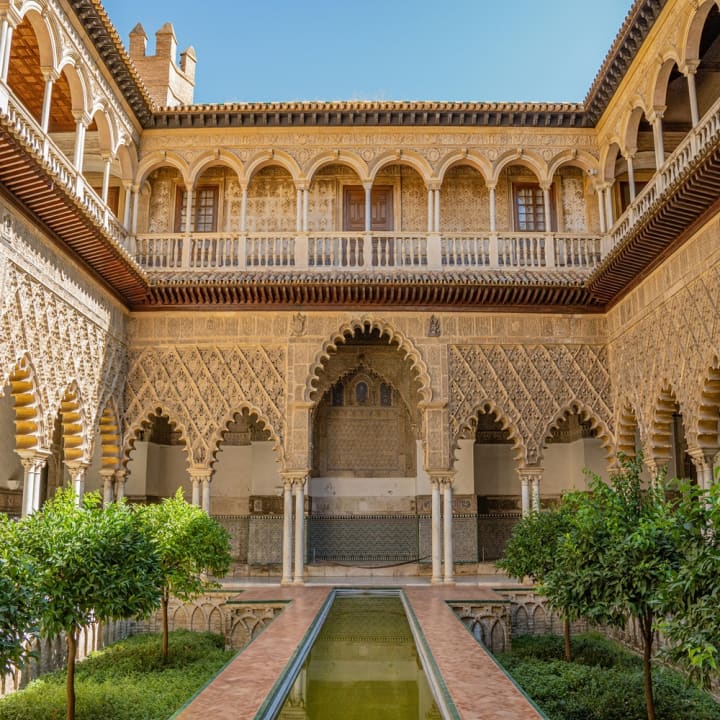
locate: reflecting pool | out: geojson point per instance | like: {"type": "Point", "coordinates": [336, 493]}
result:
{"type": "Point", "coordinates": [363, 666]}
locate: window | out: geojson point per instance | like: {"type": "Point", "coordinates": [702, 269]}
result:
{"type": "Point", "coordinates": [338, 395]}
{"type": "Point", "coordinates": [113, 198]}
{"type": "Point", "coordinates": [529, 207]}
{"type": "Point", "coordinates": [204, 209]}
{"type": "Point", "coordinates": [385, 395]}
{"type": "Point", "coordinates": [361, 393]}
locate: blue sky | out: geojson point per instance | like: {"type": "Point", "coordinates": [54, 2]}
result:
{"type": "Point", "coordinates": [465, 50]}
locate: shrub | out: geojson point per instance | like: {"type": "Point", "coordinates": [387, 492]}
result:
{"type": "Point", "coordinates": [604, 683]}
{"type": "Point", "coordinates": [127, 681]}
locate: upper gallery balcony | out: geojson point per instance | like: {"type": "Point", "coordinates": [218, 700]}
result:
{"type": "Point", "coordinates": [535, 213]}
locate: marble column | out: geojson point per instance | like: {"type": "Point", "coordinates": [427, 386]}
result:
{"type": "Point", "coordinates": [243, 208]}
{"type": "Point", "coordinates": [50, 77]}
{"type": "Point", "coordinates": [77, 477]}
{"type": "Point", "coordinates": [5, 46]}
{"type": "Point", "coordinates": [599, 189]}
{"type": "Point", "coordinates": [656, 122]}
{"type": "Point", "coordinates": [447, 531]}
{"type": "Point", "coordinates": [107, 475]}
{"type": "Point", "coordinates": [107, 165]}
{"type": "Point", "coordinates": [81, 124]}
{"type": "Point", "coordinates": [631, 174]}
{"type": "Point", "coordinates": [525, 495]}
{"type": "Point", "coordinates": [690, 70]}
{"type": "Point", "coordinates": [493, 221]}
{"type": "Point", "coordinates": [128, 205]}
{"type": "Point", "coordinates": [368, 206]}
{"type": "Point", "coordinates": [436, 536]}
{"type": "Point", "coordinates": [299, 577]}
{"type": "Point", "coordinates": [287, 532]}
{"type": "Point", "coordinates": [120, 476]}
{"type": "Point", "coordinates": [530, 488]}
{"type": "Point", "coordinates": [436, 214]}
{"type": "Point", "coordinates": [33, 461]}
{"type": "Point", "coordinates": [206, 483]}
{"type": "Point", "coordinates": [431, 222]}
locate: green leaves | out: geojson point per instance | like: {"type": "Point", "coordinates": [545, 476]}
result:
{"type": "Point", "coordinates": [189, 544]}
{"type": "Point", "coordinates": [88, 562]}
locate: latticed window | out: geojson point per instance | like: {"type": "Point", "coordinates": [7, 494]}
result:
{"type": "Point", "coordinates": [204, 209]}
{"type": "Point", "coordinates": [529, 208]}
{"type": "Point", "coordinates": [385, 395]}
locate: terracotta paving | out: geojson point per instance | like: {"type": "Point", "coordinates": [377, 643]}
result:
{"type": "Point", "coordinates": [479, 689]}
{"type": "Point", "coordinates": [477, 686]}
{"type": "Point", "coordinates": [240, 689]}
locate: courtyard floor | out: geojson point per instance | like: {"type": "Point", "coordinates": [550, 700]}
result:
{"type": "Point", "coordinates": [477, 686]}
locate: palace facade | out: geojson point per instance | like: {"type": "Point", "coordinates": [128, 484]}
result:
{"type": "Point", "coordinates": [355, 332]}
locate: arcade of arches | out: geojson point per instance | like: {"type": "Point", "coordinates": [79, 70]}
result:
{"type": "Point", "coordinates": [355, 333]}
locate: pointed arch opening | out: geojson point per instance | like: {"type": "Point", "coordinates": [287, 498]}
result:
{"type": "Point", "coordinates": [157, 460]}
{"type": "Point", "coordinates": [668, 441]}
{"type": "Point", "coordinates": [247, 466]}
{"type": "Point", "coordinates": [575, 440]}
{"type": "Point", "coordinates": [708, 430]}
{"type": "Point", "coordinates": [366, 428]}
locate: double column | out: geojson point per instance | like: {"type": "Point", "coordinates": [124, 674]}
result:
{"type": "Point", "coordinates": [530, 478]}
{"type": "Point", "coordinates": [77, 472]}
{"type": "Point", "coordinates": [442, 526]}
{"type": "Point", "coordinates": [293, 482]}
{"type": "Point", "coordinates": [704, 461]}
{"type": "Point", "coordinates": [33, 461]}
{"type": "Point", "coordinates": [200, 479]}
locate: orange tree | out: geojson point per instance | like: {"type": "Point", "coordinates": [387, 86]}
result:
{"type": "Point", "coordinates": [612, 565]}
{"type": "Point", "coordinates": [190, 544]}
{"type": "Point", "coordinates": [88, 563]}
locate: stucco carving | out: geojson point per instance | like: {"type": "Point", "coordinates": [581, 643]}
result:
{"type": "Point", "coordinates": [201, 389]}
{"type": "Point", "coordinates": [531, 385]}
{"type": "Point", "coordinates": [63, 328]}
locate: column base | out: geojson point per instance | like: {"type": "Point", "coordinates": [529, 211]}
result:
{"type": "Point", "coordinates": [449, 581]}
{"type": "Point", "coordinates": [286, 581]}
{"type": "Point", "coordinates": [436, 581]}
{"type": "Point", "coordinates": [298, 581]}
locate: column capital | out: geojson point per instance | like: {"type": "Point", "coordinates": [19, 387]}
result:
{"type": "Point", "coordinates": [367, 184]}
{"type": "Point", "coordinates": [545, 185]}
{"type": "Point", "coordinates": [302, 184]}
{"type": "Point", "coordinates": [531, 472]}
{"type": "Point", "coordinates": [107, 472]}
{"type": "Point", "coordinates": [629, 153]}
{"type": "Point", "coordinates": [49, 73]}
{"type": "Point", "coordinates": [656, 113]}
{"type": "Point", "coordinates": [33, 457]}
{"type": "Point", "coordinates": [434, 184]}
{"type": "Point", "coordinates": [76, 467]}
{"type": "Point", "coordinates": [443, 477]}
{"type": "Point", "coordinates": [703, 456]}
{"type": "Point", "coordinates": [81, 118]}
{"type": "Point", "coordinates": [200, 473]}
{"type": "Point", "coordinates": [689, 67]}
{"type": "Point", "coordinates": [297, 476]}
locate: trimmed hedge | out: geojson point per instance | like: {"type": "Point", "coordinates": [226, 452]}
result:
{"type": "Point", "coordinates": [604, 682]}
{"type": "Point", "coordinates": [126, 681]}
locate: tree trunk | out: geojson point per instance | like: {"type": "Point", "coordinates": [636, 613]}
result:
{"type": "Point", "coordinates": [566, 633]}
{"type": "Point", "coordinates": [165, 602]}
{"type": "Point", "coordinates": [647, 632]}
{"type": "Point", "coordinates": [70, 682]}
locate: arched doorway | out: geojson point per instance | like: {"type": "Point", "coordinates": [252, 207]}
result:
{"type": "Point", "coordinates": [366, 481]}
